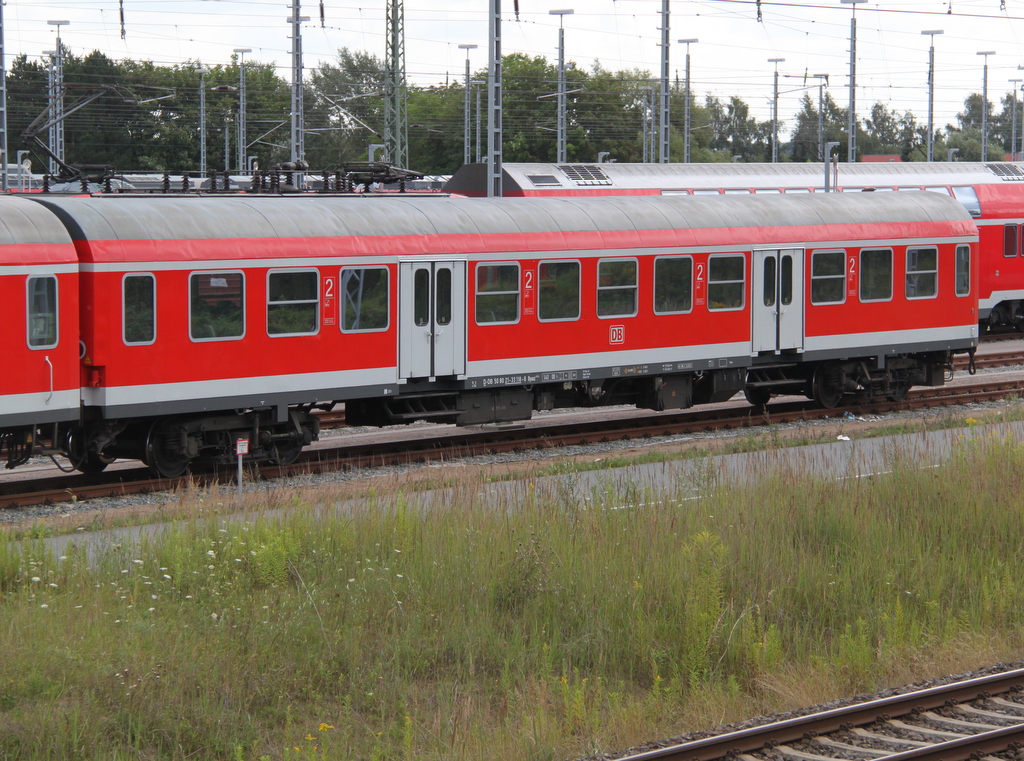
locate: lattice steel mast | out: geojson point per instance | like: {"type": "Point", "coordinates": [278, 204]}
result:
{"type": "Point", "coordinates": [396, 127]}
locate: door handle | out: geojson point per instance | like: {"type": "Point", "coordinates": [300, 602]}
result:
{"type": "Point", "coordinates": [48, 362]}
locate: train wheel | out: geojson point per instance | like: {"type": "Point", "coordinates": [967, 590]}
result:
{"type": "Point", "coordinates": [759, 397]}
{"type": "Point", "coordinates": [83, 459]}
{"type": "Point", "coordinates": [899, 391]}
{"type": "Point", "coordinates": [164, 454]}
{"type": "Point", "coordinates": [828, 385]}
{"type": "Point", "coordinates": [285, 452]}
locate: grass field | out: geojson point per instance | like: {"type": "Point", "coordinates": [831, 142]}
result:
{"type": "Point", "coordinates": [544, 627]}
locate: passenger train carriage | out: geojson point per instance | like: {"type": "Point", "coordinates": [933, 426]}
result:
{"type": "Point", "coordinates": [992, 192]}
{"type": "Point", "coordinates": [39, 350]}
{"type": "Point", "coordinates": [209, 319]}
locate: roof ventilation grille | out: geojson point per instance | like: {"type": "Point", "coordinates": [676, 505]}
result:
{"type": "Point", "coordinates": [585, 174]}
{"type": "Point", "coordinates": [1007, 171]}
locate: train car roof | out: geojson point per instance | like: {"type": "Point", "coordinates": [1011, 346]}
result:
{"type": "Point", "coordinates": [613, 178]}
{"type": "Point", "coordinates": [30, 235]}
{"type": "Point", "coordinates": [130, 227]}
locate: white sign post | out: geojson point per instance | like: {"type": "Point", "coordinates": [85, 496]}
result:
{"type": "Point", "coordinates": [241, 449]}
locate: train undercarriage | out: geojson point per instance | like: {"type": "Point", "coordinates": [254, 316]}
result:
{"type": "Point", "coordinates": [170, 445]}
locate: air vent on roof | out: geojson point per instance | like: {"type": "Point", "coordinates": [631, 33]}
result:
{"type": "Point", "coordinates": [543, 179]}
{"type": "Point", "coordinates": [1007, 171]}
{"type": "Point", "coordinates": [585, 174]}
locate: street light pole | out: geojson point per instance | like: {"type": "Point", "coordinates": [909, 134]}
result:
{"type": "Point", "coordinates": [686, 107]}
{"type": "Point", "coordinates": [851, 148]}
{"type": "Point", "coordinates": [465, 107]}
{"type": "Point", "coordinates": [984, 104]}
{"type": "Point", "coordinates": [775, 111]}
{"type": "Point", "coordinates": [931, 92]}
{"type": "Point", "coordinates": [561, 149]}
{"type": "Point", "coordinates": [202, 71]}
{"type": "Point", "coordinates": [241, 107]}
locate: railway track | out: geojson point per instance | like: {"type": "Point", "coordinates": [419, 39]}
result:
{"type": "Point", "coordinates": [972, 719]}
{"type": "Point", "coordinates": [448, 443]}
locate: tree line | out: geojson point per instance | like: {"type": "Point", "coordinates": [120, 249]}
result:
{"type": "Point", "coordinates": [146, 117]}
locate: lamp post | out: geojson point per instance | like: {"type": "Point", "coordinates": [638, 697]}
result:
{"type": "Point", "coordinates": [984, 104]}
{"type": "Point", "coordinates": [851, 149]}
{"type": "Point", "coordinates": [931, 92]}
{"type": "Point", "coordinates": [465, 107]}
{"type": "Point", "coordinates": [241, 107]}
{"type": "Point", "coordinates": [686, 106]}
{"type": "Point", "coordinates": [56, 132]}
{"type": "Point", "coordinates": [1013, 138]}
{"type": "Point", "coordinates": [202, 71]}
{"type": "Point", "coordinates": [775, 111]}
{"type": "Point", "coordinates": [648, 131]}
{"type": "Point", "coordinates": [561, 13]}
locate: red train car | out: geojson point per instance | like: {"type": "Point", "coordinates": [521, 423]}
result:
{"type": "Point", "coordinates": [992, 192]}
{"type": "Point", "coordinates": [39, 349]}
{"type": "Point", "coordinates": [206, 320]}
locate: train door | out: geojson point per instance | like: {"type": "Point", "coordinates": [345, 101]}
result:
{"type": "Point", "coordinates": [432, 319]}
{"type": "Point", "coordinates": [777, 300]}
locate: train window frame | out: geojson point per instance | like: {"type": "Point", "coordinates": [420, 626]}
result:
{"type": "Point", "coordinates": [343, 281]}
{"type": "Point", "coordinates": [50, 313]}
{"type": "Point", "coordinates": [540, 290]}
{"type": "Point", "coordinates": [124, 307]}
{"type": "Point", "coordinates": [862, 279]}
{"type": "Point", "coordinates": [191, 306]}
{"type": "Point", "coordinates": [963, 270]}
{"type": "Point", "coordinates": [294, 302]}
{"type": "Point", "coordinates": [654, 295]}
{"type": "Point", "coordinates": [1011, 240]}
{"type": "Point", "coordinates": [841, 279]}
{"type": "Point", "coordinates": [743, 283]}
{"type": "Point", "coordinates": [914, 277]}
{"type": "Point", "coordinates": [607, 290]}
{"type": "Point", "coordinates": [477, 293]}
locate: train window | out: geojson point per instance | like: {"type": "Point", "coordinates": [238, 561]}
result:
{"type": "Point", "coordinates": [616, 288]}
{"type": "Point", "coordinates": [828, 277]}
{"type": "Point", "coordinates": [786, 280]}
{"type": "Point", "coordinates": [726, 282]}
{"type": "Point", "coordinates": [965, 195]}
{"type": "Point", "coordinates": [497, 293]}
{"type": "Point", "coordinates": [365, 302]}
{"type": "Point", "coordinates": [293, 302]}
{"type": "Point", "coordinates": [1009, 240]}
{"type": "Point", "coordinates": [737, 191]}
{"type": "Point", "coordinates": [673, 284]}
{"type": "Point", "coordinates": [767, 190]}
{"type": "Point", "coordinates": [875, 274]}
{"type": "Point", "coordinates": [216, 305]}
{"type": "Point", "coordinates": [421, 298]}
{"type": "Point", "coordinates": [443, 296]}
{"type": "Point", "coordinates": [770, 281]}
{"type": "Point", "coordinates": [938, 189]}
{"type": "Point", "coordinates": [963, 270]}
{"type": "Point", "coordinates": [138, 304]}
{"type": "Point", "coordinates": [922, 273]}
{"type": "Point", "coordinates": [706, 192]}
{"type": "Point", "coordinates": [797, 190]}
{"type": "Point", "coordinates": [42, 312]}
{"type": "Point", "coordinates": [558, 291]}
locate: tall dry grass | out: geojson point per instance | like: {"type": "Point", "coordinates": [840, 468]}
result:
{"type": "Point", "coordinates": [551, 622]}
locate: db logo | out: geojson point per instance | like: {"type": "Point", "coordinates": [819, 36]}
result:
{"type": "Point", "coordinates": [617, 334]}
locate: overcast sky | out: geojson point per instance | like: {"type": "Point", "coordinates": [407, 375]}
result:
{"type": "Point", "coordinates": [731, 57]}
